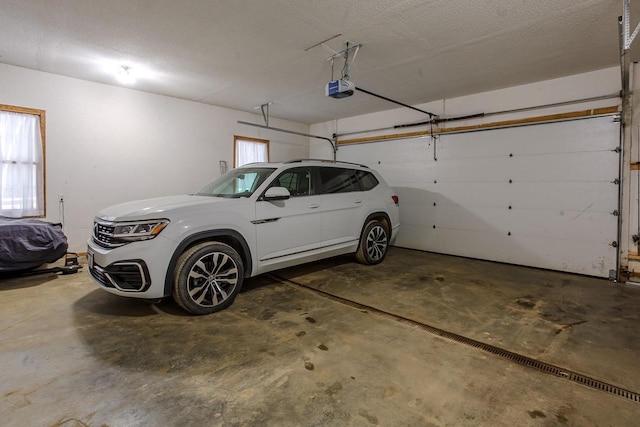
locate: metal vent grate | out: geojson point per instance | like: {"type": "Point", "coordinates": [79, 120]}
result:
{"type": "Point", "coordinates": [98, 274]}
{"type": "Point", "coordinates": [514, 357]}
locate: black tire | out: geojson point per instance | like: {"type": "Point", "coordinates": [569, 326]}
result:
{"type": "Point", "coordinates": [207, 278]}
{"type": "Point", "coordinates": [374, 243]}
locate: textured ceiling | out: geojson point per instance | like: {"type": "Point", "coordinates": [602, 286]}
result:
{"type": "Point", "coordinates": [244, 53]}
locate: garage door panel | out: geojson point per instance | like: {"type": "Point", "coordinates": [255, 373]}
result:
{"type": "Point", "coordinates": [593, 197]}
{"type": "Point", "coordinates": [545, 224]}
{"type": "Point", "coordinates": [416, 197]}
{"type": "Point", "coordinates": [551, 224]}
{"type": "Point", "coordinates": [566, 196]}
{"type": "Point", "coordinates": [552, 138]}
{"type": "Point", "coordinates": [399, 152]}
{"type": "Point", "coordinates": [581, 167]}
{"type": "Point", "coordinates": [422, 215]}
{"type": "Point", "coordinates": [416, 236]}
{"type": "Point", "coordinates": [561, 194]}
{"type": "Point", "coordinates": [592, 260]}
{"type": "Point", "coordinates": [557, 167]}
{"type": "Point", "coordinates": [410, 174]}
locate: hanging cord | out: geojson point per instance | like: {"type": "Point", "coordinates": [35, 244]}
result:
{"type": "Point", "coordinates": [345, 67]}
{"type": "Point", "coordinates": [435, 142]}
{"type": "Point", "coordinates": [61, 212]}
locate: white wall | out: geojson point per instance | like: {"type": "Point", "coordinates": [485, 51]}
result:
{"type": "Point", "coordinates": [562, 194]}
{"type": "Point", "coordinates": [106, 144]}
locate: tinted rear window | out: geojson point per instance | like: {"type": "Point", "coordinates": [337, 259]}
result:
{"type": "Point", "coordinates": [339, 180]}
{"type": "Point", "coordinates": [366, 179]}
{"type": "Point", "coordinates": [342, 180]}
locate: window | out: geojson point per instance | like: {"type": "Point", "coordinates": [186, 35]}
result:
{"type": "Point", "coordinates": [236, 183]}
{"type": "Point", "coordinates": [22, 141]}
{"type": "Point", "coordinates": [249, 150]}
{"type": "Point", "coordinates": [298, 181]}
{"type": "Point", "coordinates": [339, 180]}
{"type": "Point", "coordinates": [367, 180]}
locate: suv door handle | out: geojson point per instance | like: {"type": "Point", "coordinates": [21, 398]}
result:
{"type": "Point", "coordinates": [314, 206]}
{"type": "Point", "coordinates": [357, 202]}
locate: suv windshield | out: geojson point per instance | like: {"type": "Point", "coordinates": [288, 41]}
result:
{"type": "Point", "coordinates": [241, 182]}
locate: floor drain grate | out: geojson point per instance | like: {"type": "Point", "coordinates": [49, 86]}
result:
{"type": "Point", "coordinates": [514, 357]}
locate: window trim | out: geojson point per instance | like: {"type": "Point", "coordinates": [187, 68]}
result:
{"type": "Point", "coordinates": [42, 115]}
{"type": "Point", "coordinates": [246, 138]}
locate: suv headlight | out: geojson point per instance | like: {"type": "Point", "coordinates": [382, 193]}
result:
{"type": "Point", "coordinates": [138, 230]}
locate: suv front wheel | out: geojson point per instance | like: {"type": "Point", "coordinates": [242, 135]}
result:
{"type": "Point", "coordinates": [207, 278]}
{"type": "Point", "coordinates": [373, 243]}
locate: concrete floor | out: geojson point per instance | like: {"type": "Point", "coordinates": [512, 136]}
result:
{"type": "Point", "coordinates": [74, 355]}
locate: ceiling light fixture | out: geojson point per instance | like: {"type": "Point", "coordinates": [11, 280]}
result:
{"type": "Point", "coordinates": [124, 75]}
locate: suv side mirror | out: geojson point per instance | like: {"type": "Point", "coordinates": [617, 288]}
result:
{"type": "Point", "coordinates": [277, 193]}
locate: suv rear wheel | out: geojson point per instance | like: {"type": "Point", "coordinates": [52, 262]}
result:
{"type": "Point", "coordinates": [207, 278]}
{"type": "Point", "coordinates": [373, 243]}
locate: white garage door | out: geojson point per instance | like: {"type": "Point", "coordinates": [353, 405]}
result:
{"type": "Point", "coordinates": [540, 195]}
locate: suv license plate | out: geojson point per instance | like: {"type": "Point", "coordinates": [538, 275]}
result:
{"type": "Point", "coordinates": [90, 259]}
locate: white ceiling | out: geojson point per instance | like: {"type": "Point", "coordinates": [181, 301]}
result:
{"type": "Point", "coordinates": [244, 53]}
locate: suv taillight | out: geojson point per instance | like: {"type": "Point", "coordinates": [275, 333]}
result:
{"type": "Point", "coordinates": [395, 199]}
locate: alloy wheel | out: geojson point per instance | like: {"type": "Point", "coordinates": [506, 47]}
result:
{"type": "Point", "coordinates": [212, 279]}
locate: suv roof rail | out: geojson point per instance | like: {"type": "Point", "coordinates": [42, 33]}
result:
{"type": "Point", "coordinates": [325, 161]}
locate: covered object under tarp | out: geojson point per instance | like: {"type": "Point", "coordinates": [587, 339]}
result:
{"type": "Point", "coordinates": [26, 244]}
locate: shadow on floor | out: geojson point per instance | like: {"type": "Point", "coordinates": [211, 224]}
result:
{"type": "Point", "coordinates": [164, 338]}
{"type": "Point", "coordinates": [10, 281]}
{"type": "Point", "coordinates": [104, 303]}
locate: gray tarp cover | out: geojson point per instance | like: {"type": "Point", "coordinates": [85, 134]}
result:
{"type": "Point", "coordinates": [29, 243]}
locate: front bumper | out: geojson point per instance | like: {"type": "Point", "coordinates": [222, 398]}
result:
{"type": "Point", "coordinates": [136, 270]}
{"type": "Point", "coordinates": [125, 276]}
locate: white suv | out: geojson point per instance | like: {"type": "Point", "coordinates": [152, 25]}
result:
{"type": "Point", "coordinates": [260, 217]}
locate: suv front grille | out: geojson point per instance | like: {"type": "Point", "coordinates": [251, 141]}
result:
{"type": "Point", "coordinates": [103, 234]}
